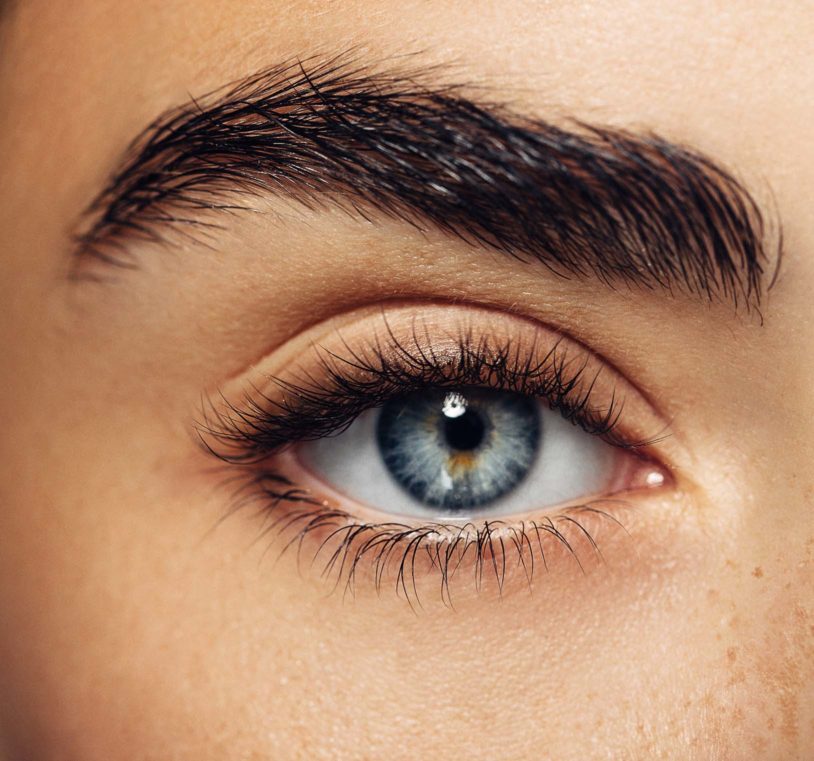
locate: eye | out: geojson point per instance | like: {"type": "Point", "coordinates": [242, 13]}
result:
{"type": "Point", "coordinates": [465, 453]}
{"type": "Point", "coordinates": [412, 444]}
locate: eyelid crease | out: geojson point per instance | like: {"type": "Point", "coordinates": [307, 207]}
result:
{"type": "Point", "coordinates": [234, 384]}
{"type": "Point", "coordinates": [446, 346]}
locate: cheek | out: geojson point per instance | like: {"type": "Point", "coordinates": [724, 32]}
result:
{"type": "Point", "coordinates": [764, 692]}
{"type": "Point", "coordinates": [149, 632]}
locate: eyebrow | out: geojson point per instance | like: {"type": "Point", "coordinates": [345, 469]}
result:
{"type": "Point", "coordinates": [588, 201]}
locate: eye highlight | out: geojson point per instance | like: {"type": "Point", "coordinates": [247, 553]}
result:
{"type": "Point", "coordinates": [430, 439]}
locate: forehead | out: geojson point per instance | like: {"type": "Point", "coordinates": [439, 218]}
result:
{"type": "Point", "coordinates": [723, 81]}
{"type": "Point", "coordinates": [622, 60]}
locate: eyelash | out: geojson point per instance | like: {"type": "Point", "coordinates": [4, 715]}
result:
{"type": "Point", "coordinates": [325, 403]}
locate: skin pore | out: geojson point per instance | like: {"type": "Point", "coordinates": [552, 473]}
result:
{"type": "Point", "coordinates": [143, 617]}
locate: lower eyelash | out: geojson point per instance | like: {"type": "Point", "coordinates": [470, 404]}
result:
{"type": "Point", "coordinates": [405, 556]}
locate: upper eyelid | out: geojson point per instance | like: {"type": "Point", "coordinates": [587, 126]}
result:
{"type": "Point", "coordinates": [220, 418]}
{"type": "Point", "coordinates": [321, 333]}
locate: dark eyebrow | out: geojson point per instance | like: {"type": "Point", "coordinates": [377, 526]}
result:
{"type": "Point", "coordinates": [588, 201]}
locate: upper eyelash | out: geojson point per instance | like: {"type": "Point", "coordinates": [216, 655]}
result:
{"type": "Point", "coordinates": [315, 407]}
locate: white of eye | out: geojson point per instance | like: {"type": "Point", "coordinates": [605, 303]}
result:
{"type": "Point", "coordinates": [570, 465]}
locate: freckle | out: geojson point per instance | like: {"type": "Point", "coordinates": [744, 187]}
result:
{"type": "Point", "coordinates": [758, 573]}
{"type": "Point", "coordinates": [759, 744]}
{"type": "Point", "coordinates": [770, 724]}
{"type": "Point", "coordinates": [732, 654]}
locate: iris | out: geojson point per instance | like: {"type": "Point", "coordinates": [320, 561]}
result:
{"type": "Point", "coordinates": [459, 450]}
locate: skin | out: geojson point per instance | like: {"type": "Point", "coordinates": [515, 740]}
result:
{"type": "Point", "coordinates": [133, 630]}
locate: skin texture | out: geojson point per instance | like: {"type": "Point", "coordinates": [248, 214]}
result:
{"type": "Point", "coordinates": [133, 630]}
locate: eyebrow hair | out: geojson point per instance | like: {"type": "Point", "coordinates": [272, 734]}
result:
{"type": "Point", "coordinates": [591, 201]}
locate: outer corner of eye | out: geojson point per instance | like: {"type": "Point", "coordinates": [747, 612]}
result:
{"type": "Point", "coordinates": [459, 455]}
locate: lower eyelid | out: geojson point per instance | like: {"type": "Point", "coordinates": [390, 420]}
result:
{"type": "Point", "coordinates": [353, 548]}
{"type": "Point", "coordinates": [421, 561]}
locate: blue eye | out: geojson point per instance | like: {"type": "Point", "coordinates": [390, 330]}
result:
{"type": "Point", "coordinates": [459, 454]}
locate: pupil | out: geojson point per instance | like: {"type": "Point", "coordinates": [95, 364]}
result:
{"type": "Point", "coordinates": [465, 432]}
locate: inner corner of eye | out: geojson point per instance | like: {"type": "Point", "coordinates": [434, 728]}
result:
{"type": "Point", "coordinates": [456, 454]}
